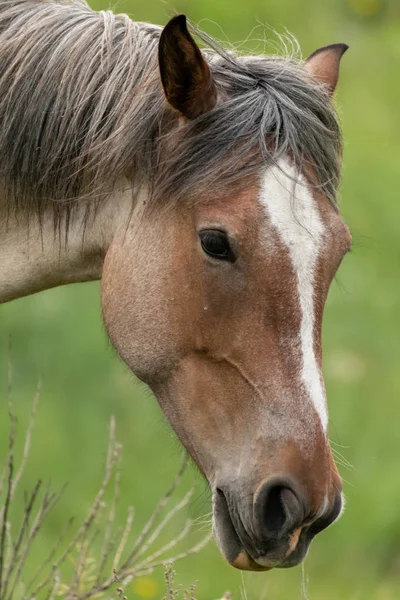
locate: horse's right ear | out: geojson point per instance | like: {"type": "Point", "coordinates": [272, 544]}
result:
{"type": "Point", "coordinates": [185, 75]}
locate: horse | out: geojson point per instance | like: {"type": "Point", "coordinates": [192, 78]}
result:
{"type": "Point", "coordinates": [200, 186]}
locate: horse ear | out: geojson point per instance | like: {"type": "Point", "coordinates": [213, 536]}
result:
{"type": "Point", "coordinates": [324, 64]}
{"type": "Point", "coordinates": [185, 75]}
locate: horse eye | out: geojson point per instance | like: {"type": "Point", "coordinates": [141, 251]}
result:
{"type": "Point", "coordinates": [216, 244]}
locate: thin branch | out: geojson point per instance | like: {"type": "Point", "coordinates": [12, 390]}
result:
{"type": "Point", "coordinates": [4, 522]}
{"type": "Point", "coordinates": [124, 538]}
{"type": "Point", "coordinates": [23, 528]}
{"type": "Point", "coordinates": [137, 549]}
{"type": "Point", "coordinates": [3, 477]}
{"type": "Point", "coordinates": [92, 512]}
{"type": "Point", "coordinates": [53, 591]}
{"type": "Point", "coordinates": [10, 460]}
{"type": "Point", "coordinates": [174, 542]}
{"type": "Point", "coordinates": [86, 573]}
{"type": "Point", "coordinates": [131, 573]}
{"type": "Point", "coordinates": [185, 500]}
{"type": "Point", "coordinates": [12, 423]}
{"type": "Point", "coordinates": [9, 548]}
{"type": "Point", "coordinates": [84, 548]}
{"type": "Point", "coordinates": [173, 559]}
{"type": "Point", "coordinates": [48, 502]}
{"type": "Point", "coordinates": [28, 436]}
{"type": "Point", "coordinates": [51, 555]}
{"type": "Point", "coordinates": [146, 529]}
{"type": "Point", "coordinates": [105, 551]}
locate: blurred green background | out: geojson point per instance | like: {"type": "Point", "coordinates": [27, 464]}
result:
{"type": "Point", "coordinates": [60, 335]}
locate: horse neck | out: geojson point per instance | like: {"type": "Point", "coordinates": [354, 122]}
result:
{"type": "Point", "coordinates": [35, 256]}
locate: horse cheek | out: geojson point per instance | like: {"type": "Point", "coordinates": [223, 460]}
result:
{"type": "Point", "coordinates": [138, 315]}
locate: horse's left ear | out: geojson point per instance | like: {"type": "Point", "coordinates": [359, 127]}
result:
{"type": "Point", "coordinates": [185, 75]}
{"type": "Point", "coordinates": [324, 64]}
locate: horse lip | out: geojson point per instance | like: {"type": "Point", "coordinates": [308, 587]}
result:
{"type": "Point", "coordinates": [224, 530]}
{"type": "Point", "coordinates": [234, 550]}
{"type": "Point", "coordinates": [228, 539]}
{"type": "Point", "coordinates": [299, 552]}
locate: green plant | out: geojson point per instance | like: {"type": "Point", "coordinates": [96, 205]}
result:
{"type": "Point", "coordinates": [79, 567]}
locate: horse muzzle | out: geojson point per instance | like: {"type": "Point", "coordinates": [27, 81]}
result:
{"type": "Point", "coordinates": [274, 530]}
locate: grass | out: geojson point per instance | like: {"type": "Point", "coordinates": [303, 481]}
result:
{"type": "Point", "coordinates": [96, 559]}
{"type": "Point", "coordinates": [59, 334]}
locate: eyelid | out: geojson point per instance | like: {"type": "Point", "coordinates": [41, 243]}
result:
{"type": "Point", "coordinates": [214, 230]}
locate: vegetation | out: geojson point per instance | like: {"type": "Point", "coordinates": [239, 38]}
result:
{"type": "Point", "coordinates": [94, 570]}
{"type": "Point", "coordinates": [59, 335]}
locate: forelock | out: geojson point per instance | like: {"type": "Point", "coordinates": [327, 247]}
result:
{"type": "Point", "coordinates": [269, 108]}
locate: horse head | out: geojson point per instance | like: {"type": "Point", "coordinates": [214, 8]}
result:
{"type": "Point", "coordinates": [216, 302]}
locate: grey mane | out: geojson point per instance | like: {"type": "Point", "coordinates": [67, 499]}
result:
{"type": "Point", "coordinates": [81, 106]}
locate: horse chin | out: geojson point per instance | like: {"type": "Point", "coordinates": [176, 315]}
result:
{"type": "Point", "coordinates": [244, 562]}
{"type": "Point", "coordinates": [233, 552]}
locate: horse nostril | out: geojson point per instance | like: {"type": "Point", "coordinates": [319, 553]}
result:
{"type": "Point", "coordinates": [277, 509]}
{"type": "Point", "coordinates": [275, 514]}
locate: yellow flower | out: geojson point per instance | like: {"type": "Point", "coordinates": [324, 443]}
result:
{"type": "Point", "coordinates": [145, 587]}
{"type": "Point", "coordinates": [365, 8]}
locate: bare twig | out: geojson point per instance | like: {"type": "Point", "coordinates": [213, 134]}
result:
{"type": "Point", "coordinates": [193, 550]}
{"type": "Point", "coordinates": [174, 542]}
{"type": "Point", "coordinates": [92, 512]}
{"type": "Point", "coordinates": [164, 522]}
{"type": "Point", "coordinates": [53, 590]}
{"type": "Point", "coordinates": [10, 462]}
{"type": "Point", "coordinates": [106, 548]}
{"type": "Point", "coordinates": [17, 545]}
{"type": "Point", "coordinates": [51, 555]}
{"type": "Point", "coordinates": [4, 519]}
{"type": "Point", "coordinates": [129, 570]}
{"type": "Point", "coordinates": [9, 548]}
{"type": "Point", "coordinates": [48, 502]}
{"type": "Point", "coordinates": [87, 579]}
{"type": "Point", "coordinates": [146, 529]}
{"type": "Point", "coordinates": [124, 538]}
{"type": "Point", "coordinates": [28, 436]}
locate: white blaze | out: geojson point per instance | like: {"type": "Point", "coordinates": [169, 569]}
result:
{"type": "Point", "coordinates": [292, 212]}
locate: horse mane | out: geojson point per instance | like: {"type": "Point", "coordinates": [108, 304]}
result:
{"type": "Point", "coordinates": [82, 106]}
